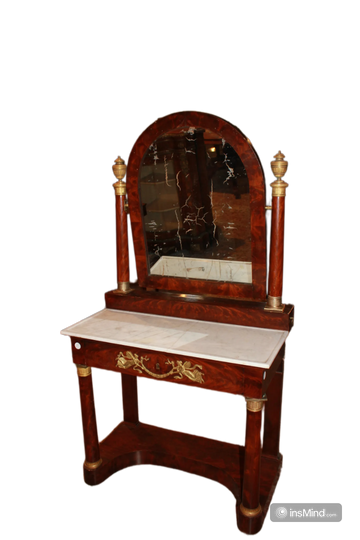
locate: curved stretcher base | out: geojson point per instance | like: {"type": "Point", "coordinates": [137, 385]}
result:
{"type": "Point", "coordinates": [136, 444]}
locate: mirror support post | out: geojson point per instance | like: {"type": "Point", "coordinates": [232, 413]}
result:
{"type": "Point", "coordinates": [122, 239]}
{"type": "Point", "coordinates": [274, 299]}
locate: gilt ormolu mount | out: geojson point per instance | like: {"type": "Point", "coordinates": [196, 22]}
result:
{"type": "Point", "coordinates": [199, 314]}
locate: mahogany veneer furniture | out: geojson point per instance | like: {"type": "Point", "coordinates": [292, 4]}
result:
{"type": "Point", "coordinates": [199, 314]}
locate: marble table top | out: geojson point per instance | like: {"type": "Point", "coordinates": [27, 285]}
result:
{"type": "Point", "coordinates": [242, 345]}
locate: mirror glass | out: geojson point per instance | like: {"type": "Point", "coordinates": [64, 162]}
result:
{"type": "Point", "coordinates": [194, 193]}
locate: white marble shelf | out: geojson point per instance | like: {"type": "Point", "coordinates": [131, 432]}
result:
{"type": "Point", "coordinates": [242, 345]}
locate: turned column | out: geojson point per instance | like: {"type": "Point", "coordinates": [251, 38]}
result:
{"type": "Point", "coordinates": [274, 299]}
{"type": "Point", "coordinates": [122, 249]}
{"type": "Point", "coordinates": [91, 441]}
{"type": "Point", "coordinates": [250, 506]}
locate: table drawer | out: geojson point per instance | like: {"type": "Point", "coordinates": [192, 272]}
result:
{"type": "Point", "coordinates": [158, 365]}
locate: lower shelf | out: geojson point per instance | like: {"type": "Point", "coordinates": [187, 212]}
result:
{"type": "Point", "coordinates": [135, 444]}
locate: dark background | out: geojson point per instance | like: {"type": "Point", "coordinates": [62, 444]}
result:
{"type": "Point", "coordinates": [144, 502]}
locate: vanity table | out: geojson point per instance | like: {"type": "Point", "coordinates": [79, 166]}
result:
{"type": "Point", "coordinates": [199, 314]}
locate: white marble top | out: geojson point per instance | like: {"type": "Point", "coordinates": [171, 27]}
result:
{"type": "Point", "coordinates": [209, 340]}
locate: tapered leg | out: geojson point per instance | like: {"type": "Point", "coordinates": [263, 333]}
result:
{"type": "Point", "coordinates": [91, 441]}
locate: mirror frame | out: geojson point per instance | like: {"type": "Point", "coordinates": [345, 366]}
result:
{"type": "Point", "coordinates": [241, 144]}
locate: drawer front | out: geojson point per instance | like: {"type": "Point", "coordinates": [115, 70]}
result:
{"type": "Point", "coordinates": [159, 365]}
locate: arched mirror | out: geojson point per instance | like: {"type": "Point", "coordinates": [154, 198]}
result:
{"type": "Point", "coordinates": [194, 193]}
{"type": "Point", "coordinates": [197, 204]}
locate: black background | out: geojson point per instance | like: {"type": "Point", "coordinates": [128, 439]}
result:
{"type": "Point", "coordinates": [93, 126]}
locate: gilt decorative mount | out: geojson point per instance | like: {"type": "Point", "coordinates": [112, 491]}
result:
{"type": "Point", "coordinates": [129, 359]}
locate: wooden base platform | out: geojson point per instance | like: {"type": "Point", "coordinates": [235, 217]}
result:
{"type": "Point", "coordinates": [135, 444]}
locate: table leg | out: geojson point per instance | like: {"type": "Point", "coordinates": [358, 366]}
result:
{"type": "Point", "coordinates": [250, 510]}
{"type": "Point", "coordinates": [129, 398]}
{"type": "Point", "coordinates": [272, 415]}
{"type": "Point", "coordinates": [91, 441]}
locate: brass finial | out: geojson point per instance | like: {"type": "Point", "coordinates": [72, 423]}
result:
{"type": "Point", "coordinates": [118, 167]}
{"type": "Point", "coordinates": [279, 164]}
{"type": "Point", "coordinates": [118, 172]}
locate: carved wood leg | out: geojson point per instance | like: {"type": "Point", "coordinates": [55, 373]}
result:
{"type": "Point", "coordinates": [91, 441]}
{"type": "Point", "coordinates": [250, 511]}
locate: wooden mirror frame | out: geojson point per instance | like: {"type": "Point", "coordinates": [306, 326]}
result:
{"type": "Point", "coordinates": [243, 147]}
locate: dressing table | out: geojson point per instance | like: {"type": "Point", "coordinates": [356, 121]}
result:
{"type": "Point", "coordinates": [200, 313]}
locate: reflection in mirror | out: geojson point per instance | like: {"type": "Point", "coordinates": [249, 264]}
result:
{"type": "Point", "coordinates": [196, 208]}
